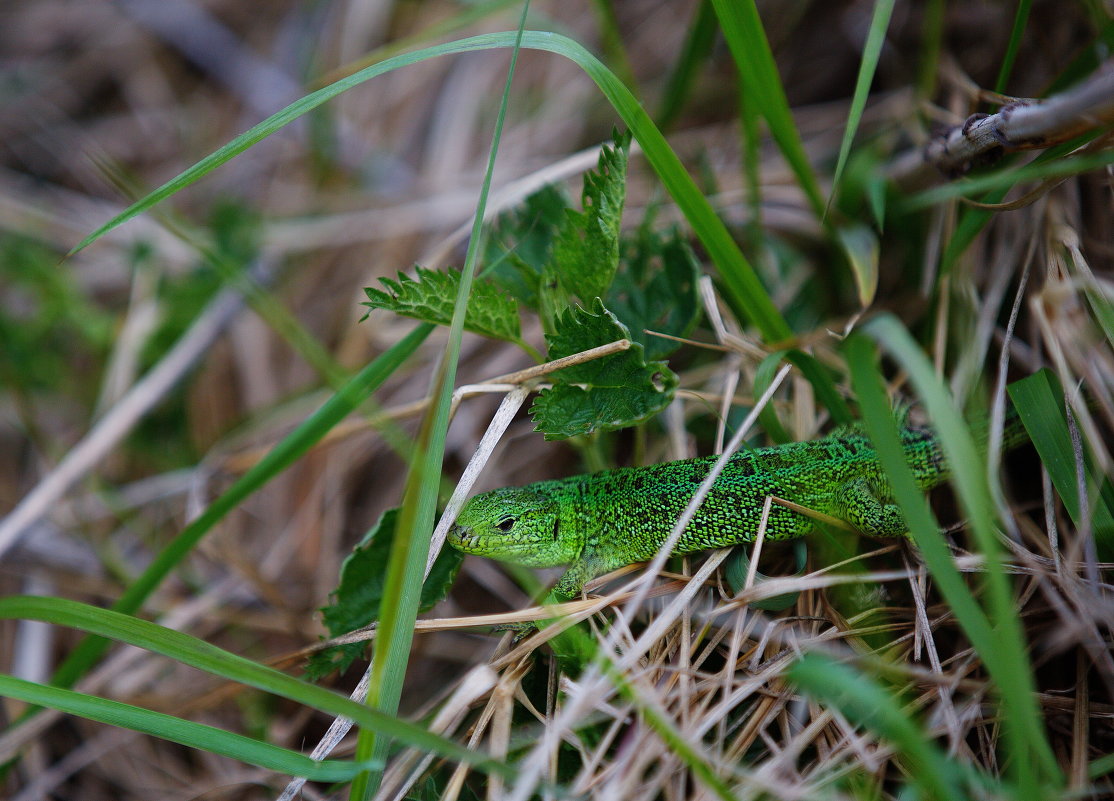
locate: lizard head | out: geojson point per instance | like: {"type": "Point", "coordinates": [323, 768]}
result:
{"type": "Point", "coordinates": [515, 524]}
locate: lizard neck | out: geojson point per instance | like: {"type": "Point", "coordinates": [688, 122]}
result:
{"type": "Point", "coordinates": [572, 518]}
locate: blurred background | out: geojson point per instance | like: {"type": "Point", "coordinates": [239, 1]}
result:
{"type": "Point", "coordinates": [101, 102]}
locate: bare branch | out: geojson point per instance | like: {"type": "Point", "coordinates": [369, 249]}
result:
{"type": "Point", "coordinates": [1023, 124]}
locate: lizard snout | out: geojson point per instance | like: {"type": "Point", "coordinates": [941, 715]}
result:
{"type": "Point", "coordinates": [461, 537]}
{"type": "Point", "coordinates": [458, 534]}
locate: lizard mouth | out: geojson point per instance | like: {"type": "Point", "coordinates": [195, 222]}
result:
{"type": "Point", "coordinates": [468, 540]}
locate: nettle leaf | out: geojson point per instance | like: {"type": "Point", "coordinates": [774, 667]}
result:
{"type": "Point", "coordinates": [357, 599]}
{"type": "Point", "coordinates": [521, 242]}
{"type": "Point", "coordinates": [430, 298]}
{"type": "Point", "coordinates": [605, 394]}
{"type": "Point", "coordinates": [655, 289]}
{"type": "Point", "coordinates": [586, 252]}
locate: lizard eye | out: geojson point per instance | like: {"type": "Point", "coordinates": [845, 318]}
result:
{"type": "Point", "coordinates": [505, 525]}
{"type": "Point", "coordinates": [556, 529]}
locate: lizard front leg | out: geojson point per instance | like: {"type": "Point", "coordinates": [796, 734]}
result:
{"type": "Point", "coordinates": [573, 580]}
{"type": "Point", "coordinates": [567, 588]}
{"type": "Point", "coordinates": [572, 648]}
{"type": "Point", "coordinates": [867, 504]}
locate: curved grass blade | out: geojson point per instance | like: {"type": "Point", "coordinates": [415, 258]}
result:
{"type": "Point", "coordinates": [744, 288]}
{"type": "Point", "coordinates": [880, 424]}
{"type": "Point", "coordinates": [185, 732]}
{"type": "Point", "coordinates": [1004, 180]}
{"type": "Point", "coordinates": [1003, 649]}
{"type": "Point", "coordinates": [202, 655]}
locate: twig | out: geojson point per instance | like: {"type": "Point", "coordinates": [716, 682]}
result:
{"type": "Point", "coordinates": [1024, 124]}
{"type": "Point", "coordinates": [512, 402]}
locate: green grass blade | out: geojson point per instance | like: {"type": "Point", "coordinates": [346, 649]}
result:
{"type": "Point", "coordinates": [872, 49]}
{"type": "Point", "coordinates": [923, 529]}
{"type": "Point", "coordinates": [282, 456]}
{"type": "Point", "coordinates": [1004, 180]}
{"type": "Point", "coordinates": [867, 703]}
{"type": "Point", "coordinates": [746, 38]}
{"type": "Point", "coordinates": [750, 130]}
{"type": "Point", "coordinates": [199, 654]}
{"type": "Point", "coordinates": [1100, 767]}
{"type": "Point", "coordinates": [932, 31]}
{"type": "Point", "coordinates": [698, 44]}
{"type": "Point", "coordinates": [1006, 657]}
{"type": "Point", "coordinates": [405, 571]}
{"type": "Point", "coordinates": [1039, 400]}
{"type": "Point", "coordinates": [185, 732]}
{"type": "Point", "coordinates": [1020, 19]}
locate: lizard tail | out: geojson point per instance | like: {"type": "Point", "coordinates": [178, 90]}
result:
{"type": "Point", "coordinates": [1013, 432]}
{"type": "Point", "coordinates": [926, 456]}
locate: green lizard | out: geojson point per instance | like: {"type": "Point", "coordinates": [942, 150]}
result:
{"type": "Point", "coordinates": [600, 522]}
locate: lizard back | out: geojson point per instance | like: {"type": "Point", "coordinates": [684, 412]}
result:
{"type": "Point", "coordinates": [625, 514]}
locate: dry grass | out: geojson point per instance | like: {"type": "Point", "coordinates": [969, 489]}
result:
{"type": "Point", "coordinates": [104, 101]}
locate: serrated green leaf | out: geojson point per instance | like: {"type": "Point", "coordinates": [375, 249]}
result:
{"type": "Point", "coordinates": [586, 253]}
{"type": "Point", "coordinates": [430, 298]}
{"type": "Point", "coordinates": [362, 579]}
{"type": "Point", "coordinates": [605, 394]}
{"type": "Point", "coordinates": [655, 289]}
{"type": "Point", "coordinates": [521, 242]}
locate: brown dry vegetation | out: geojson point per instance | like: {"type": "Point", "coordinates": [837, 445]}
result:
{"type": "Point", "coordinates": [103, 101]}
